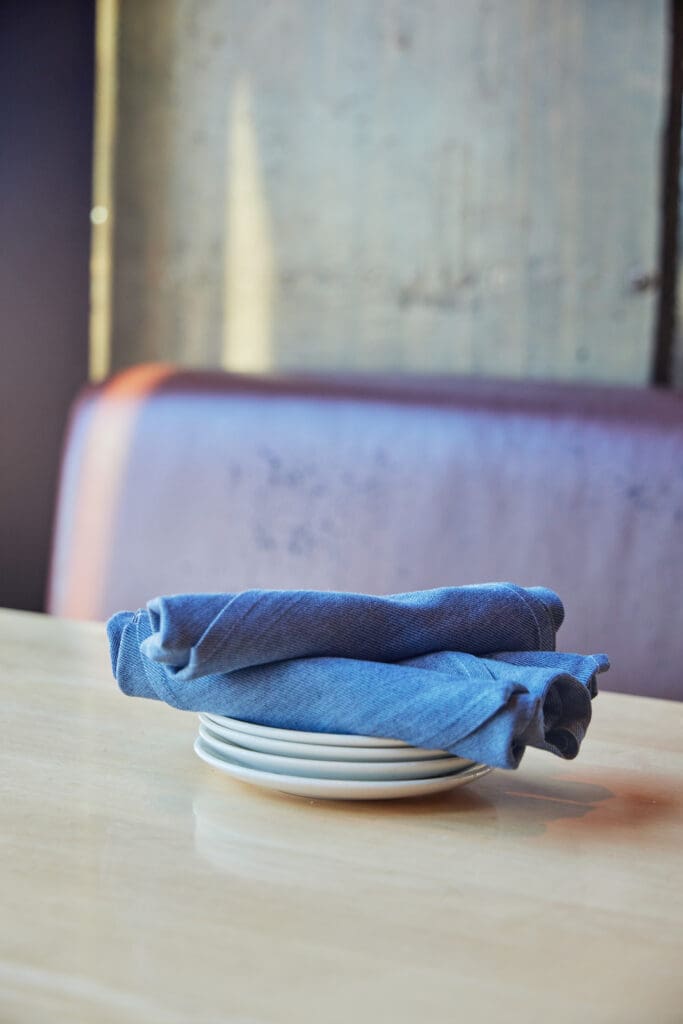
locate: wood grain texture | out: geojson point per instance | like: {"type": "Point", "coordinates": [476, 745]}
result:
{"type": "Point", "coordinates": [433, 185]}
{"type": "Point", "coordinates": [139, 884]}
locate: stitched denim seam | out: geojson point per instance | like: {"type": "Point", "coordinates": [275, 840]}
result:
{"type": "Point", "coordinates": [525, 602]}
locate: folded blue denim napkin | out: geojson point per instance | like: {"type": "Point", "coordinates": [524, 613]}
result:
{"type": "Point", "coordinates": [472, 670]}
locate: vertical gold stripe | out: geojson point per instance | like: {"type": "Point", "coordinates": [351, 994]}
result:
{"type": "Point", "coordinates": [102, 215]}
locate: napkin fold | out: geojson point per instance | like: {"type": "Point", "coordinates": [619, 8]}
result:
{"type": "Point", "coordinates": [472, 670]}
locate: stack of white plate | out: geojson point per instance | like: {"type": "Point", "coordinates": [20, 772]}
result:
{"type": "Point", "coordinates": [328, 765]}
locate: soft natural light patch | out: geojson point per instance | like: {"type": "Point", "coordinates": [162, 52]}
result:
{"type": "Point", "coordinates": [249, 260]}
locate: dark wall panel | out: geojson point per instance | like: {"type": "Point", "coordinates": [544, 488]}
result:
{"type": "Point", "coordinates": [46, 124]}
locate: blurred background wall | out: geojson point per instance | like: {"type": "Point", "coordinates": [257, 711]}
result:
{"type": "Point", "coordinates": [456, 186]}
{"type": "Point", "coordinates": [463, 186]}
{"type": "Point", "coordinates": [46, 125]}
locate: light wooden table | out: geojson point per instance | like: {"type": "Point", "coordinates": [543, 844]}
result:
{"type": "Point", "coordinates": [138, 884]}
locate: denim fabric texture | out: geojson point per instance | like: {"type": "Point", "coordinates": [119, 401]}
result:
{"type": "Point", "coordinates": [472, 670]}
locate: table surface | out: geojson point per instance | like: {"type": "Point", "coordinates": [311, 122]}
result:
{"type": "Point", "coordinates": [139, 884]}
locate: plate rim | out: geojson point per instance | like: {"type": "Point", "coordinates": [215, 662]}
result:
{"type": "Point", "coordinates": [332, 739]}
{"type": "Point", "coordinates": [323, 751]}
{"type": "Point", "coordinates": [346, 789]}
{"type": "Point", "coordinates": [321, 764]}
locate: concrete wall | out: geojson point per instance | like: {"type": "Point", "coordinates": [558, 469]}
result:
{"type": "Point", "coordinates": [436, 185]}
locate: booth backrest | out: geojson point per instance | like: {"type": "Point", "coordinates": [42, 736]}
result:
{"type": "Point", "coordinates": [186, 481]}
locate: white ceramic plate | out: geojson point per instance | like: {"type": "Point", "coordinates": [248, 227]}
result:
{"type": "Point", "coordinates": [317, 750]}
{"type": "Point", "coordinates": [330, 739]}
{"type": "Point", "coordinates": [365, 771]}
{"type": "Point", "coordinates": [340, 789]}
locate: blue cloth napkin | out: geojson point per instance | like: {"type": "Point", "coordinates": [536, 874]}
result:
{"type": "Point", "coordinates": [472, 670]}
